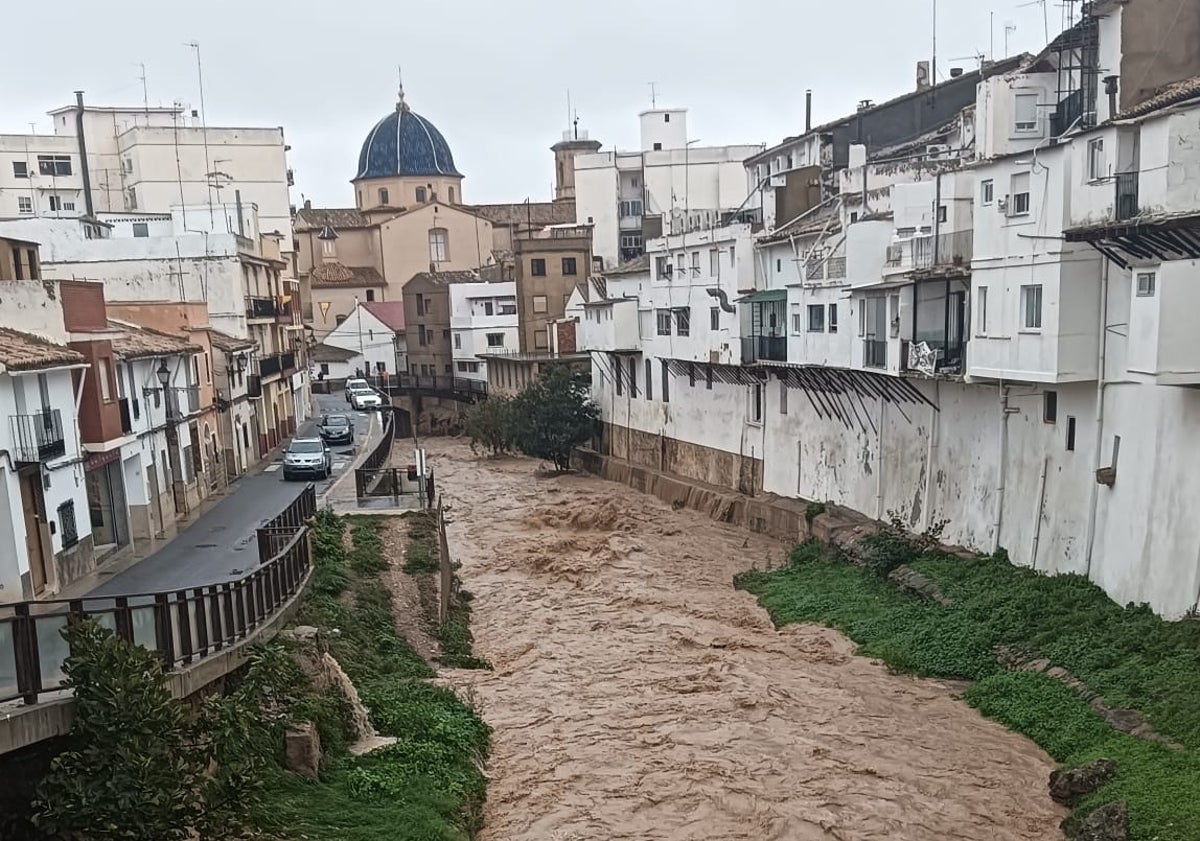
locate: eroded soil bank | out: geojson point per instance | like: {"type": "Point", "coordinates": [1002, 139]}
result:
{"type": "Point", "coordinates": [637, 695]}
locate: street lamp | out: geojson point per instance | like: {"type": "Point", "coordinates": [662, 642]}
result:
{"type": "Point", "coordinates": [163, 373]}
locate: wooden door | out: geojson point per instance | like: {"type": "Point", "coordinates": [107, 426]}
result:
{"type": "Point", "coordinates": [31, 494]}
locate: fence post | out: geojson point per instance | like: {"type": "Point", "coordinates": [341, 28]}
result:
{"type": "Point", "coordinates": [183, 614]}
{"type": "Point", "coordinates": [123, 618]}
{"type": "Point", "coordinates": [201, 622]}
{"type": "Point", "coordinates": [162, 631]}
{"type": "Point", "coordinates": [26, 655]}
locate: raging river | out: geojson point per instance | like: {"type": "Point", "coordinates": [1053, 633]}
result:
{"type": "Point", "coordinates": [637, 695]}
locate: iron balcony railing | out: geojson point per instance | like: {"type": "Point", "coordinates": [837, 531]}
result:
{"type": "Point", "coordinates": [764, 349]}
{"type": "Point", "coordinates": [875, 353]}
{"type": "Point", "coordinates": [287, 363]}
{"type": "Point", "coordinates": [269, 366]}
{"type": "Point", "coordinates": [183, 401]}
{"type": "Point", "coordinates": [253, 386]}
{"type": "Point", "coordinates": [38, 437]}
{"type": "Point", "coordinates": [261, 308]}
{"type": "Point", "coordinates": [434, 382]}
{"type": "Point", "coordinates": [953, 249]}
{"type": "Point", "coordinates": [1127, 195]}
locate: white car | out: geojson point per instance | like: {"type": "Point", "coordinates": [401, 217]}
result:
{"type": "Point", "coordinates": [367, 398]}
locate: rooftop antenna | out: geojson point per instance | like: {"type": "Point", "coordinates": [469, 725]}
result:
{"type": "Point", "coordinates": [1045, 16]}
{"type": "Point", "coordinates": [401, 105]}
{"type": "Point", "coordinates": [934, 76]}
{"type": "Point", "coordinates": [653, 95]}
{"type": "Point", "coordinates": [145, 92]}
{"type": "Point", "coordinates": [195, 45]}
{"type": "Point", "coordinates": [575, 124]}
{"type": "Point", "coordinates": [569, 111]}
{"type": "Point", "coordinates": [1009, 29]}
{"type": "Point", "coordinates": [991, 36]}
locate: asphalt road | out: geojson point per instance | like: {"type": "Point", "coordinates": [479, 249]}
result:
{"type": "Point", "coordinates": [221, 544]}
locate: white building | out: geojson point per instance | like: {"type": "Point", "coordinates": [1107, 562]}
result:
{"type": "Point", "coordinates": [142, 160]}
{"type": "Point", "coordinates": [669, 185]}
{"type": "Point", "coordinates": [372, 341]}
{"type": "Point", "coordinates": [483, 320]}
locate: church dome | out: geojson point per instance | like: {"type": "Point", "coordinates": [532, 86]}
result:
{"type": "Point", "coordinates": [404, 143]}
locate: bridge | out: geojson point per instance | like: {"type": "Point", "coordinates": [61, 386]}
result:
{"type": "Point", "coordinates": [200, 634]}
{"type": "Point", "coordinates": [462, 389]}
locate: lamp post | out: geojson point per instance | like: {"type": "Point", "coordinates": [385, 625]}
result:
{"type": "Point", "coordinates": [163, 374]}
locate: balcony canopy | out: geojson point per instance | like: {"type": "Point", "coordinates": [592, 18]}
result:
{"type": "Point", "coordinates": [1162, 238]}
{"type": "Point", "coordinates": [766, 296]}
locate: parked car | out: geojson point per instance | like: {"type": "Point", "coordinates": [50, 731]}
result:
{"type": "Point", "coordinates": [307, 457]}
{"type": "Point", "coordinates": [353, 384]}
{"type": "Point", "coordinates": [336, 429]}
{"type": "Point", "coordinates": [367, 398]}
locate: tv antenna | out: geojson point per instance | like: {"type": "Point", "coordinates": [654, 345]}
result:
{"type": "Point", "coordinates": [653, 94]}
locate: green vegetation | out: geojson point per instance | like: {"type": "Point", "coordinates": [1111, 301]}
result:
{"type": "Point", "coordinates": [1129, 656]}
{"type": "Point", "coordinates": [421, 555]}
{"type": "Point", "coordinates": [428, 786]}
{"type": "Point", "coordinates": [547, 420]}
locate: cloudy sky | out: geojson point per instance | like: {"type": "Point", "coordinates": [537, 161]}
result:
{"type": "Point", "coordinates": [494, 76]}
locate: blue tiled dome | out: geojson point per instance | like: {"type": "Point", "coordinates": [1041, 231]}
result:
{"type": "Point", "coordinates": [405, 143]}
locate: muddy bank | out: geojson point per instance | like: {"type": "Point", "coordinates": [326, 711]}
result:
{"type": "Point", "coordinates": [636, 695]}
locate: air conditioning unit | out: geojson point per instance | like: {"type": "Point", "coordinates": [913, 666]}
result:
{"type": "Point", "coordinates": [937, 150]}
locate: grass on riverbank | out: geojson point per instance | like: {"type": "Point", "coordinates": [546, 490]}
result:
{"type": "Point", "coordinates": [1129, 656]}
{"type": "Point", "coordinates": [427, 787]}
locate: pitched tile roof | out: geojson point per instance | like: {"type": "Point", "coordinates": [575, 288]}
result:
{"type": "Point", "coordinates": [227, 343]}
{"type": "Point", "coordinates": [142, 342]}
{"type": "Point", "coordinates": [391, 313]}
{"type": "Point", "coordinates": [536, 213]}
{"type": "Point", "coordinates": [1166, 96]}
{"type": "Point", "coordinates": [329, 353]}
{"type": "Point", "coordinates": [634, 266]}
{"type": "Point", "coordinates": [25, 352]}
{"type": "Point", "coordinates": [444, 278]}
{"type": "Point", "coordinates": [315, 218]}
{"type": "Point", "coordinates": [335, 274]}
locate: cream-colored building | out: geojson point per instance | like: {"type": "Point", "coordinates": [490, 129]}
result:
{"type": "Point", "coordinates": [408, 219]}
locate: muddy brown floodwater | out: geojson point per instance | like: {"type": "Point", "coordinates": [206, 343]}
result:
{"type": "Point", "coordinates": [637, 695]}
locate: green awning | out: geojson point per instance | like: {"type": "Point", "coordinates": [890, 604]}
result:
{"type": "Point", "coordinates": [765, 296]}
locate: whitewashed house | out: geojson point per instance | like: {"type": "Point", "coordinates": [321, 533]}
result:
{"type": "Point", "coordinates": [483, 320]}
{"type": "Point", "coordinates": [370, 342]}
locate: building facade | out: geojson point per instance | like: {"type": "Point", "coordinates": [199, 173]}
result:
{"type": "Point", "coordinates": [483, 320]}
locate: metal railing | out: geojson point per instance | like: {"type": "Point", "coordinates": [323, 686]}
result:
{"type": "Point", "coordinates": [287, 362]}
{"type": "Point", "coordinates": [261, 308]}
{"type": "Point", "coordinates": [183, 401]}
{"type": "Point", "coordinates": [953, 249]}
{"type": "Point", "coordinates": [38, 437]}
{"type": "Point", "coordinates": [276, 533]}
{"type": "Point", "coordinates": [180, 626]}
{"type": "Point", "coordinates": [764, 348]}
{"type": "Point", "coordinates": [875, 353]}
{"type": "Point", "coordinates": [435, 382]}
{"type": "Point", "coordinates": [1127, 195]}
{"type": "Point", "coordinates": [269, 366]}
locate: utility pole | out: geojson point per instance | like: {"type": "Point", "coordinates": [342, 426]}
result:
{"type": "Point", "coordinates": [145, 90]}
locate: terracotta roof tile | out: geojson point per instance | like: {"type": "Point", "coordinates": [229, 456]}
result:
{"type": "Point", "coordinates": [335, 274]}
{"type": "Point", "coordinates": [142, 342]}
{"type": "Point", "coordinates": [329, 353]}
{"type": "Point", "coordinates": [24, 352]}
{"type": "Point", "coordinates": [227, 343]}
{"type": "Point", "coordinates": [315, 218]}
{"type": "Point", "coordinates": [538, 214]}
{"type": "Point", "coordinates": [1171, 94]}
{"type": "Point", "coordinates": [391, 313]}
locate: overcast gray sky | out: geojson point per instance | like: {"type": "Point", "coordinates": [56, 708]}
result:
{"type": "Point", "coordinates": [493, 76]}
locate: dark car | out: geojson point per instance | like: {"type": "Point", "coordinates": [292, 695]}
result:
{"type": "Point", "coordinates": [336, 429]}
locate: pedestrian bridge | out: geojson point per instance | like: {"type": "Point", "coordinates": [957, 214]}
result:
{"type": "Point", "coordinates": [199, 633]}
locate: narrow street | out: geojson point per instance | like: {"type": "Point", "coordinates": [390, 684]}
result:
{"type": "Point", "coordinates": [220, 544]}
{"type": "Point", "coordinates": [637, 695]}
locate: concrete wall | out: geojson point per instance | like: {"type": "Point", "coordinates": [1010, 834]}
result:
{"type": "Point", "coordinates": [1159, 45]}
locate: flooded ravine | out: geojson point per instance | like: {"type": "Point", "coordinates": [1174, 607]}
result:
{"type": "Point", "coordinates": [637, 695]}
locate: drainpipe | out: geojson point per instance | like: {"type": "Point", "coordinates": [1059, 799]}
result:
{"type": "Point", "coordinates": [879, 465]}
{"type": "Point", "coordinates": [1002, 473]}
{"type": "Point", "coordinates": [83, 158]}
{"type": "Point", "coordinates": [1101, 353]}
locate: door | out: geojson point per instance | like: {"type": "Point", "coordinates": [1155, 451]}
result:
{"type": "Point", "coordinates": [156, 512]}
{"type": "Point", "coordinates": [31, 505]}
{"type": "Point", "coordinates": [956, 320]}
{"type": "Point", "coordinates": [875, 332]}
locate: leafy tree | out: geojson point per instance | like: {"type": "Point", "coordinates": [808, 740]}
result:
{"type": "Point", "coordinates": [490, 424]}
{"type": "Point", "coordinates": [553, 416]}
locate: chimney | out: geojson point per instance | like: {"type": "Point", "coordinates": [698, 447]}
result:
{"type": "Point", "coordinates": [83, 159]}
{"type": "Point", "coordinates": [1112, 88]}
{"type": "Point", "coordinates": [955, 72]}
{"type": "Point", "coordinates": [808, 111]}
{"type": "Point", "coordinates": [308, 204]}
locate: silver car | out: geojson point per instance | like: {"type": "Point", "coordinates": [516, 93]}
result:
{"type": "Point", "coordinates": [307, 457]}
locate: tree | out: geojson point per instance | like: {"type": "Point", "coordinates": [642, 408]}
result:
{"type": "Point", "coordinates": [490, 424]}
{"type": "Point", "coordinates": [553, 416]}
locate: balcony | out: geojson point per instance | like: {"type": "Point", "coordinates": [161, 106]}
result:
{"type": "Point", "coordinates": [253, 386]}
{"type": "Point", "coordinates": [183, 401]}
{"type": "Point", "coordinates": [285, 313]}
{"type": "Point", "coordinates": [1127, 195]}
{"type": "Point", "coordinates": [269, 366]}
{"type": "Point", "coordinates": [264, 308]}
{"type": "Point", "coordinates": [764, 349]}
{"type": "Point", "coordinates": [287, 363]}
{"type": "Point", "coordinates": [875, 353]}
{"type": "Point", "coordinates": [943, 250]}
{"type": "Point", "coordinates": [38, 437]}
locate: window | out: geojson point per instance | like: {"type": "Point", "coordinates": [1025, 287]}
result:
{"type": "Point", "coordinates": [32, 263]}
{"type": "Point", "coordinates": [833, 318]}
{"type": "Point", "coordinates": [683, 322]}
{"type": "Point", "coordinates": [68, 205]}
{"type": "Point", "coordinates": [666, 379]}
{"type": "Point", "coordinates": [981, 309]}
{"type": "Point", "coordinates": [24, 204]}
{"type": "Point", "coordinates": [67, 525]}
{"type": "Point", "coordinates": [54, 165]}
{"type": "Point", "coordinates": [420, 305]}
{"type": "Point", "coordinates": [1025, 112]}
{"type": "Point", "coordinates": [439, 245]}
{"type": "Point", "coordinates": [630, 242]}
{"type": "Point", "coordinates": [662, 267]}
{"type": "Point", "coordinates": [732, 255]}
{"type": "Point", "coordinates": [421, 334]}
{"type": "Point", "coordinates": [797, 320]}
{"type": "Point", "coordinates": [756, 403]}
{"type": "Point", "coordinates": [370, 294]}
{"type": "Point", "coordinates": [894, 315]}
{"type": "Point", "coordinates": [383, 196]}
{"type": "Point", "coordinates": [537, 267]}
{"type": "Point", "coordinates": [632, 377]}
{"type": "Point", "coordinates": [325, 369]}
{"type": "Point", "coordinates": [695, 264]}
{"type": "Point", "coordinates": [630, 207]}
{"type": "Point", "coordinates": [20, 169]}
{"type": "Point", "coordinates": [141, 229]}
{"type": "Point", "coordinates": [450, 194]}
{"type": "Point", "coordinates": [55, 204]}
{"type": "Point", "coordinates": [328, 248]}
{"type": "Point", "coordinates": [421, 195]}
{"type": "Point", "coordinates": [508, 308]}
{"type": "Point", "coordinates": [782, 397]}
{"type": "Point", "coordinates": [713, 257]}
{"type": "Point", "coordinates": [539, 303]}
{"type": "Point", "coordinates": [853, 216]}
{"type": "Point", "coordinates": [987, 192]}
{"type": "Point", "coordinates": [663, 319]}
{"type": "Point", "coordinates": [1050, 407]}
{"type": "Point", "coordinates": [1145, 284]}
{"type": "Point", "coordinates": [618, 376]}
{"type": "Point", "coordinates": [106, 380]}
{"type": "Point", "coordinates": [1070, 434]}
{"type": "Point", "coordinates": [1020, 195]}
{"type": "Point", "coordinates": [943, 214]}
{"type": "Point", "coordinates": [132, 199]}
{"type": "Point", "coordinates": [666, 118]}
{"type": "Point", "coordinates": [714, 318]}
{"type": "Point", "coordinates": [568, 266]}
{"type": "Point", "coordinates": [488, 308]}
{"type": "Point", "coordinates": [1031, 307]}
{"type": "Point", "coordinates": [657, 147]}
{"type": "Point", "coordinates": [541, 340]}
{"type": "Point", "coordinates": [1096, 164]}
{"type": "Point", "coordinates": [816, 318]}
{"type": "Point", "coordinates": [778, 265]}
{"type": "Point", "coordinates": [458, 341]}
{"type": "Point", "coordinates": [649, 380]}
{"type": "Point", "coordinates": [495, 340]}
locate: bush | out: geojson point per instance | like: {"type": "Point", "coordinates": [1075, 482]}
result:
{"type": "Point", "coordinates": [490, 424]}
{"type": "Point", "coordinates": [553, 416]}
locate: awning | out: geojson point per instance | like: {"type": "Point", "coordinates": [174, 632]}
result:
{"type": "Point", "coordinates": [898, 283]}
{"type": "Point", "coordinates": [766, 296]}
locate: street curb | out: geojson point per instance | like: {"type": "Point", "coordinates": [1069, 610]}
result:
{"type": "Point", "coordinates": [358, 459]}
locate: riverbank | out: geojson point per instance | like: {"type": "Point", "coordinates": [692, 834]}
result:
{"type": "Point", "coordinates": [428, 783]}
{"type": "Point", "coordinates": [1050, 657]}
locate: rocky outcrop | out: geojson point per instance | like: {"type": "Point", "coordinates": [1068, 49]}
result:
{"type": "Point", "coordinates": [1072, 785]}
{"type": "Point", "coordinates": [914, 583]}
{"type": "Point", "coordinates": [1108, 823]}
{"type": "Point", "coordinates": [302, 751]}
